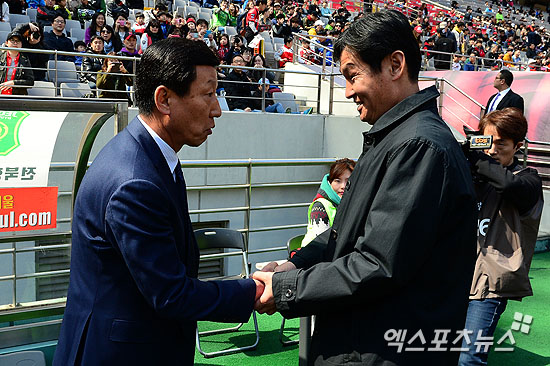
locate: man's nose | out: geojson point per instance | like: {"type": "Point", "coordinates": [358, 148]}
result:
{"type": "Point", "coordinates": [349, 90]}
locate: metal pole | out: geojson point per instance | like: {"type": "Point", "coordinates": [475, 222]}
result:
{"type": "Point", "coordinates": [319, 80]}
{"type": "Point", "coordinates": [247, 204]}
{"type": "Point", "coordinates": [295, 50]}
{"type": "Point", "coordinates": [331, 94]}
{"type": "Point", "coordinates": [440, 105]}
{"type": "Point", "coordinates": [305, 338]}
{"type": "Point", "coordinates": [14, 265]}
{"type": "Point", "coordinates": [525, 153]}
{"type": "Point", "coordinates": [55, 63]}
{"type": "Point", "coordinates": [324, 60]}
{"type": "Point", "coordinates": [264, 75]}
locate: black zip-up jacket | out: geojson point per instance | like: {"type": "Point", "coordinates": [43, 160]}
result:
{"type": "Point", "coordinates": [401, 251]}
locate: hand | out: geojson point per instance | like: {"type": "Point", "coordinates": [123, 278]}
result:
{"type": "Point", "coordinates": [259, 289]}
{"type": "Point", "coordinates": [266, 302]}
{"type": "Point", "coordinates": [248, 109]}
{"type": "Point", "coordinates": [33, 27]}
{"type": "Point", "coordinates": [270, 267]}
{"type": "Point", "coordinates": [7, 85]}
{"type": "Point", "coordinates": [123, 69]}
{"type": "Point", "coordinates": [285, 267]}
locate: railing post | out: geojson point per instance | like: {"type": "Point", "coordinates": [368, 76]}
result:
{"type": "Point", "coordinates": [295, 50]}
{"type": "Point", "coordinates": [14, 265]}
{"type": "Point", "coordinates": [441, 92]}
{"type": "Point", "coordinates": [319, 83]}
{"type": "Point", "coordinates": [55, 63]}
{"type": "Point", "coordinates": [264, 76]}
{"type": "Point", "coordinates": [247, 204]}
{"type": "Point", "coordinates": [331, 94]}
{"type": "Point", "coordinates": [525, 153]}
{"type": "Point", "coordinates": [324, 60]}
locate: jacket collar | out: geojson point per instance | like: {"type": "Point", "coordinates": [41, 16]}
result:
{"type": "Point", "coordinates": [403, 108]}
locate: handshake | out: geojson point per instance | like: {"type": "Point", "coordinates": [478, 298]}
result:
{"type": "Point", "coordinates": [265, 302]}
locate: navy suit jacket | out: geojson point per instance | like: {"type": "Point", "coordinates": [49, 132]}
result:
{"type": "Point", "coordinates": [134, 297]}
{"type": "Point", "coordinates": [511, 99]}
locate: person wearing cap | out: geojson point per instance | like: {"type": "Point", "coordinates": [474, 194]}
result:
{"type": "Point", "coordinates": [15, 68]}
{"type": "Point", "coordinates": [318, 26]}
{"type": "Point", "coordinates": [129, 50]}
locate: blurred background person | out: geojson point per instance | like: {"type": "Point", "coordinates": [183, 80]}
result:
{"type": "Point", "coordinates": [122, 27]}
{"type": "Point", "coordinates": [95, 28]}
{"type": "Point", "coordinates": [15, 68]}
{"type": "Point", "coordinates": [510, 205]}
{"type": "Point", "coordinates": [113, 79]}
{"type": "Point", "coordinates": [90, 64]}
{"type": "Point", "coordinates": [151, 35]}
{"type": "Point", "coordinates": [56, 39]}
{"type": "Point", "coordinates": [111, 41]}
{"type": "Point", "coordinates": [33, 38]}
{"type": "Point", "coordinates": [129, 50]}
{"type": "Point", "coordinates": [258, 62]}
{"type": "Point", "coordinates": [322, 210]}
{"type": "Point", "coordinates": [4, 11]}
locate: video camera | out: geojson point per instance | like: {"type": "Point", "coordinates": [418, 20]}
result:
{"type": "Point", "coordinates": [476, 142]}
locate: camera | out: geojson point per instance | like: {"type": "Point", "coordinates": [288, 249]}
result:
{"type": "Point", "coordinates": [476, 142]}
{"type": "Point", "coordinates": [35, 35]}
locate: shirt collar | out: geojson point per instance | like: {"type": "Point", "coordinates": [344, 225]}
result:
{"type": "Point", "coordinates": [504, 92]}
{"type": "Point", "coordinates": [401, 109]}
{"type": "Point", "coordinates": [169, 154]}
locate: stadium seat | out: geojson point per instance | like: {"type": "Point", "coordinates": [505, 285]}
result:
{"type": "Point", "coordinates": [288, 100]}
{"type": "Point", "coordinates": [66, 72]}
{"type": "Point", "coordinates": [74, 90]}
{"type": "Point", "coordinates": [223, 103]}
{"type": "Point", "coordinates": [205, 15]}
{"type": "Point", "coordinates": [32, 14]}
{"type": "Point", "coordinates": [5, 27]}
{"type": "Point", "coordinates": [35, 358]}
{"type": "Point", "coordinates": [231, 31]}
{"type": "Point", "coordinates": [72, 24]}
{"type": "Point", "coordinates": [49, 28]}
{"type": "Point", "coordinates": [3, 36]}
{"type": "Point", "coordinates": [42, 89]}
{"type": "Point", "coordinates": [78, 33]}
{"type": "Point", "coordinates": [18, 18]}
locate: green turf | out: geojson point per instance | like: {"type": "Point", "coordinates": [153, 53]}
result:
{"type": "Point", "coordinates": [532, 349]}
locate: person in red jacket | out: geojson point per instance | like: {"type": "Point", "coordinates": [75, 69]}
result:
{"type": "Point", "coordinates": [284, 54]}
{"type": "Point", "coordinates": [253, 18]}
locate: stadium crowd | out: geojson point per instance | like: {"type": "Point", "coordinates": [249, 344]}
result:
{"type": "Point", "coordinates": [502, 35]}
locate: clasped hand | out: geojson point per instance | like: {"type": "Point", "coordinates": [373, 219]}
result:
{"type": "Point", "coordinates": [265, 303]}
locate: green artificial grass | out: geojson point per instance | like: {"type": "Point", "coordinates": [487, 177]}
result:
{"type": "Point", "coordinates": [532, 349]}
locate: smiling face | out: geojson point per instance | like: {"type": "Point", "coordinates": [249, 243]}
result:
{"type": "Point", "coordinates": [365, 87]}
{"type": "Point", "coordinates": [192, 116]}
{"type": "Point", "coordinates": [100, 20]}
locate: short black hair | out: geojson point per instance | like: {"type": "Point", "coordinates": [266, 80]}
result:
{"type": "Point", "coordinates": [260, 2]}
{"type": "Point", "coordinates": [202, 21]}
{"type": "Point", "coordinates": [174, 62]}
{"type": "Point", "coordinates": [378, 35]}
{"type": "Point", "coordinates": [507, 76]}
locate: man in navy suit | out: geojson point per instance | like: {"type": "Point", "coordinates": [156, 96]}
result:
{"type": "Point", "coordinates": [505, 97]}
{"type": "Point", "coordinates": [134, 297]}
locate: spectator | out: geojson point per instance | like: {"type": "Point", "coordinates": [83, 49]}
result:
{"type": "Point", "coordinates": [46, 13]}
{"type": "Point", "coordinates": [178, 23]}
{"type": "Point", "coordinates": [191, 24]}
{"type": "Point", "coordinates": [505, 97]}
{"type": "Point", "coordinates": [122, 27]}
{"type": "Point", "coordinates": [165, 24]}
{"type": "Point", "coordinates": [220, 16]}
{"type": "Point", "coordinates": [112, 43]}
{"type": "Point", "coordinates": [508, 58]}
{"type": "Point", "coordinates": [281, 29]}
{"type": "Point", "coordinates": [202, 27]}
{"type": "Point", "coordinates": [313, 8]}
{"type": "Point", "coordinates": [310, 20]}
{"type": "Point", "coordinates": [116, 7]}
{"type": "Point", "coordinates": [129, 50]}
{"type": "Point", "coordinates": [152, 34]}
{"type": "Point", "coordinates": [90, 64]}
{"type": "Point", "coordinates": [253, 19]}
{"type": "Point", "coordinates": [110, 84]}
{"type": "Point", "coordinates": [445, 45]}
{"type": "Point", "coordinates": [295, 26]}
{"type": "Point", "coordinates": [223, 48]}
{"type": "Point", "coordinates": [531, 51]}
{"type": "Point", "coordinates": [135, 4]}
{"type": "Point", "coordinates": [84, 12]}
{"type": "Point", "coordinates": [237, 87]}
{"type": "Point", "coordinates": [210, 4]}
{"type": "Point", "coordinates": [61, 7]}
{"type": "Point", "coordinates": [139, 25]}
{"type": "Point", "coordinates": [33, 38]}
{"type": "Point", "coordinates": [4, 12]}
{"type": "Point", "coordinates": [57, 40]}
{"type": "Point", "coordinates": [471, 63]}
{"type": "Point", "coordinates": [79, 46]}
{"type": "Point", "coordinates": [258, 62]}
{"type": "Point", "coordinates": [95, 28]}
{"type": "Point", "coordinates": [325, 10]}
{"type": "Point", "coordinates": [305, 53]}
{"type": "Point", "coordinates": [285, 53]}
{"type": "Point", "coordinates": [17, 6]}
{"type": "Point", "coordinates": [457, 66]}
{"type": "Point", "coordinates": [15, 68]}
{"type": "Point", "coordinates": [153, 14]}
{"type": "Point", "coordinates": [236, 48]}
{"type": "Point", "coordinates": [517, 58]}
{"type": "Point", "coordinates": [233, 14]}
{"type": "Point", "coordinates": [341, 16]}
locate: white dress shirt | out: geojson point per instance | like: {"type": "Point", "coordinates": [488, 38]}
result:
{"type": "Point", "coordinates": [169, 154]}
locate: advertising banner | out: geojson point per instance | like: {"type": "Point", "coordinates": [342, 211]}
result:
{"type": "Point", "coordinates": [33, 208]}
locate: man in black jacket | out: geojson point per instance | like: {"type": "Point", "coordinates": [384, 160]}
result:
{"type": "Point", "coordinates": [46, 13]}
{"type": "Point", "coordinates": [238, 85]}
{"type": "Point", "coordinates": [442, 61]}
{"type": "Point", "coordinates": [394, 271]}
{"type": "Point", "coordinates": [505, 97]}
{"type": "Point", "coordinates": [57, 40]}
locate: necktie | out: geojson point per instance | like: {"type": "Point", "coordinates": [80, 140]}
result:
{"type": "Point", "coordinates": [180, 183]}
{"type": "Point", "coordinates": [493, 103]}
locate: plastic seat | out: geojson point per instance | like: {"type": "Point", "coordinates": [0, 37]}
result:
{"type": "Point", "coordinates": [31, 13]}
{"type": "Point", "coordinates": [292, 244]}
{"type": "Point", "coordinates": [42, 89]}
{"type": "Point", "coordinates": [217, 238]}
{"type": "Point", "coordinates": [223, 103]}
{"type": "Point", "coordinates": [231, 31]}
{"type": "Point", "coordinates": [5, 27]}
{"type": "Point", "coordinates": [18, 18]}
{"type": "Point", "coordinates": [71, 23]}
{"type": "Point", "coordinates": [74, 90]}
{"type": "Point", "coordinates": [66, 72]}
{"type": "Point", "coordinates": [3, 36]}
{"type": "Point", "coordinates": [34, 358]}
{"type": "Point", "coordinates": [78, 33]}
{"type": "Point", "coordinates": [287, 100]}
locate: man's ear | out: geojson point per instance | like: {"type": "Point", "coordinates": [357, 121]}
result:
{"type": "Point", "coordinates": [519, 145]}
{"type": "Point", "coordinates": [397, 64]}
{"type": "Point", "coordinates": [161, 98]}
